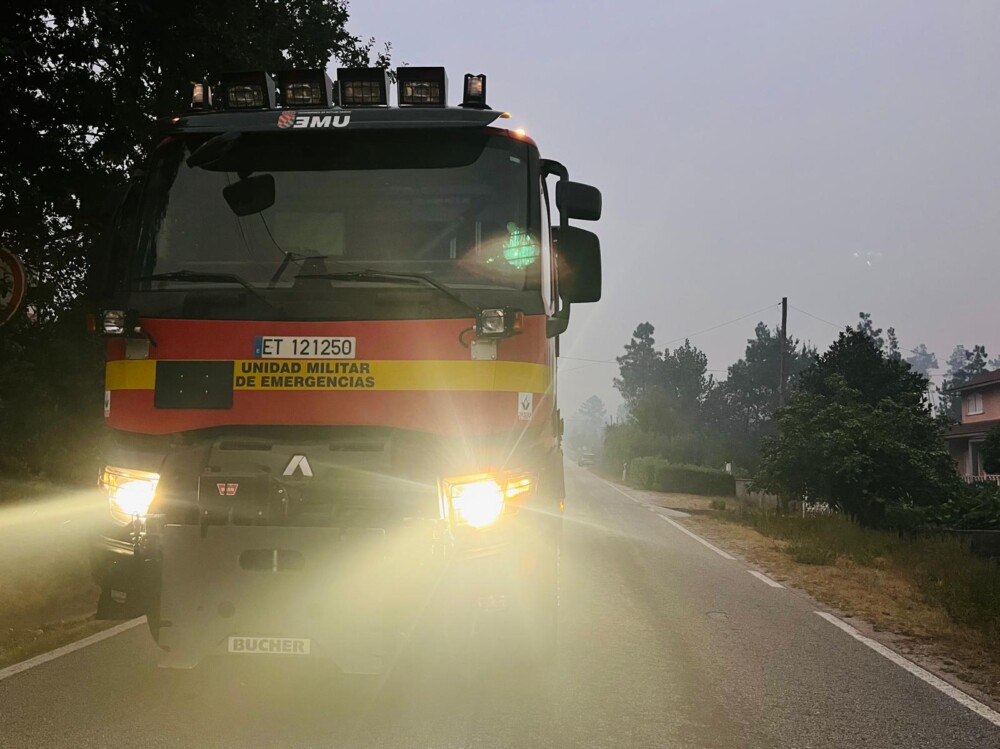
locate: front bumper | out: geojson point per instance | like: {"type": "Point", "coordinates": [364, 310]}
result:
{"type": "Point", "coordinates": [352, 596]}
{"type": "Point", "coordinates": [114, 543]}
{"type": "Point", "coordinates": [271, 582]}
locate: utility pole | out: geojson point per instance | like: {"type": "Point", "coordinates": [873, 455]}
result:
{"type": "Point", "coordinates": [781, 351]}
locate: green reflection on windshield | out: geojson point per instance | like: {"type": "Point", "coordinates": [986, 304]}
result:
{"type": "Point", "coordinates": [520, 249]}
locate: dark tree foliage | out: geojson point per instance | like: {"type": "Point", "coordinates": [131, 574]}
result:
{"type": "Point", "coordinates": [991, 451]}
{"type": "Point", "coordinates": [83, 84]}
{"type": "Point", "coordinates": [867, 367]}
{"type": "Point", "coordinates": [922, 360]}
{"type": "Point", "coordinates": [963, 365]}
{"type": "Point", "coordinates": [685, 378]}
{"type": "Point", "coordinates": [640, 368]}
{"type": "Point", "coordinates": [678, 411]}
{"type": "Point", "coordinates": [860, 434]}
{"type": "Point", "coordinates": [743, 405]}
{"type": "Point", "coordinates": [594, 413]}
{"type": "Point", "coordinates": [585, 429]}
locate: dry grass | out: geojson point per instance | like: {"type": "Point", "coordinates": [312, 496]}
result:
{"type": "Point", "coordinates": [884, 591]}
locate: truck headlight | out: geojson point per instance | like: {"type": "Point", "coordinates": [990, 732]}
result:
{"type": "Point", "coordinates": [130, 492]}
{"type": "Point", "coordinates": [480, 501]}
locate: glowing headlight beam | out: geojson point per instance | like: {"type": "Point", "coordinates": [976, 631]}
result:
{"type": "Point", "coordinates": [478, 504]}
{"type": "Point", "coordinates": [134, 497]}
{"type": "Point", "coordinates": [130, 493]}
{"type": "Point", "coordinates": [479, 501]}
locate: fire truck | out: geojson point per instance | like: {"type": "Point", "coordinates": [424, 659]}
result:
{"type": "Point", "coordinates": [332, 332]}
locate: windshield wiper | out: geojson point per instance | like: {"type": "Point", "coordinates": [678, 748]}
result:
{"type": "Point", "coordinates": [189, 276]}
{"type": "Point", "coordinates": [291, 256]}
{"type": "Point", "coordinates": [375, 276]}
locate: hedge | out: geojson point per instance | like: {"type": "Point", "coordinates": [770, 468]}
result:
{"type": "Point", "coordinates": [661, 475]}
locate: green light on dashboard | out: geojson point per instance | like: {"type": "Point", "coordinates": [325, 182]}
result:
{"type": "Point", "coordinates": [520, 249]}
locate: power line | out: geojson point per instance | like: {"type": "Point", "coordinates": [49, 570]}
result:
{"type": "Point", "coordinates": [833, 325]}
{"type": "Point", "coordinates": [722, 324]}
{"type": "Point", "coordinates": [816, 317]}
{"type": "Point", "coordinates": [594, 361]}
{"type": "Point", "coordinates": [583, 366]}
{"type": "Point", "coordinates": [591, 362]}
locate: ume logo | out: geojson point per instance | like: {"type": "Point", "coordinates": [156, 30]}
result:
{"type": "Point", "coordinates": [294, 119]}
{"type": "Point", "coordinates": [227, 490]}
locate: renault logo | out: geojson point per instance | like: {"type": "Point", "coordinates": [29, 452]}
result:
{"type": "Point", "coordinates": [298, 463]}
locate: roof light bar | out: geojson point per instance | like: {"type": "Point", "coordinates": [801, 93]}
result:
{"type": "Point", "coordinates": [421, 87]}
{"type": "Point", "coordinates": [474, 91]}
{"type": "Point", "coordinates": [201, 95]}
{"type": "Point", "coordinates": [248, 91]}
{"type": "Point", "coordinates": [363, 87]}
{"type": "Point", "coordinates": [305, 88]}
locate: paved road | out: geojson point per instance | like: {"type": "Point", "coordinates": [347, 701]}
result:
{"type": "Point", "coordinates": [665, 643]}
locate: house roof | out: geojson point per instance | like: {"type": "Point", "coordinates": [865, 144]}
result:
{"type": "Point", "coordinates": [971, 430]}
{"type": "Point", "coordinates": [986, 378]}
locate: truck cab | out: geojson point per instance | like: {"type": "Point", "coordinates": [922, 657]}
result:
{"type": "Point", "coordinates": [332, 337]}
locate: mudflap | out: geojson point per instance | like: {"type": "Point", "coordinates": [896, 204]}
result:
{"type": "Point", "coordinates": [126, 588]}
{"type": "Point", "coordinates": [258, 590]}
{"type": "Point", "coordinates": [504, 609]}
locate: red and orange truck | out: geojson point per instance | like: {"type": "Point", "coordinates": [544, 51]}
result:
{"type": "Point", "coordinates": [332, 335]}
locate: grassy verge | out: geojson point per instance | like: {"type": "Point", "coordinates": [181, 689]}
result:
{"type": "Point", "coordinates": [943, 569]}
{"type": "Point", "coordinates": [47, 597]}
{"type": "Point", "coordinates": [16, 490]}
{"type": "Point", "coordinates": [930, 596]}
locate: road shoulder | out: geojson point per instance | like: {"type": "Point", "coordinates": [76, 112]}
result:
{"type": "Point", "coordinates": [881, 605]}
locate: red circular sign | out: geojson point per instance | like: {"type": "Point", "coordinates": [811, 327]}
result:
{"type": "Point", "coordinates": [13, 285]}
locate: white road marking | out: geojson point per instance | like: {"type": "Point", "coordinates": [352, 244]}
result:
{"type": "Point", "coordinates": [676, 525]}
{"type": "Point", "coordinates": [620, 491]}
{"type": "Point", "coordinates": [765, 579]}
{"type": "Point", "coordinates": [697, 538]}
{"type": "Point", "coordinates": [38, 660]}
{"type": "Point", "coordinates": [924, 675]}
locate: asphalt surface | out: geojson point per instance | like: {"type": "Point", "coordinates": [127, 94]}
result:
{"type": "Point", "coordinates": [664, 643]}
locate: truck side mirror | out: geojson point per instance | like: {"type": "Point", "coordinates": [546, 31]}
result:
{"type": "Point", "coordinates": [578, 255]}
{"type": "Point", "coordinates": [577, 200]}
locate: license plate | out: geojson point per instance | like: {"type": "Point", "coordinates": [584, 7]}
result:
{"type": "Point", "coordinates": [304, 347]}
{"type": "Point", "coordinates": [269, 645]}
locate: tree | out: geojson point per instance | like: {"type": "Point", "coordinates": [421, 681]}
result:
{"type": "Point", "coordinates": [587, 427]}
{"type": "Point", "coordinates": [963, 365]}
{"type": "Point", "coordinates": [684, 376]}
{"type": "Point", "coordinates": [859, 434]}
{"type": "Point", "coordinates": [868, 328]}
{"type": "Point", "coordinates": [922, 361]}
{"type": "Point", "coordinates": [640, 368]}
{"type": "Point", "coordinates": [83, 84]}
{"type": "Point", "coordinates": [836, 447]}
{"type": "Point", "coordinates": [867, 365]}
{"type": "Point", "coordinates": [593, 412]}
{"type": "Point", "coordinates": [745, 402]}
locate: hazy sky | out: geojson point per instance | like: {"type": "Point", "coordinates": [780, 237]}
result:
{"type": "Point", "coordinates": [842, 154]}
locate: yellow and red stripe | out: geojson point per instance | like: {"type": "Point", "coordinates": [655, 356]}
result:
{"type": "Point", "coordinates": [421, 377]}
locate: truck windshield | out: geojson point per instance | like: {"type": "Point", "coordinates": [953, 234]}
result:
{"type": "Point", "coordinates": [450, 206]}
